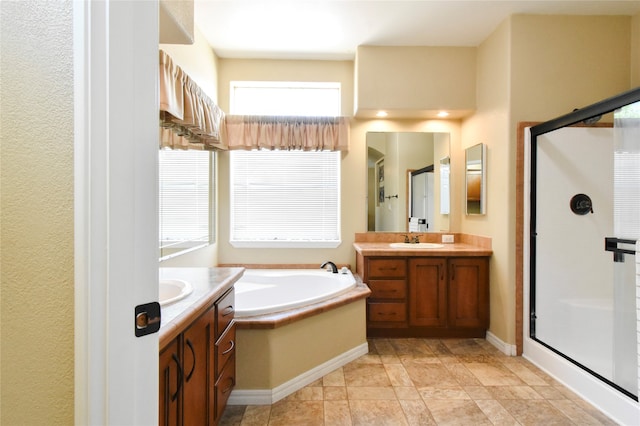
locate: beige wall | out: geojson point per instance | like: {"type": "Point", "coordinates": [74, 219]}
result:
{"type": "Point", "coordinates": [36, 234]}
{"type": "Point", "coordinates": [408, 81]}
{"type": "Point", "coordinates": [200, 62]}
{"type": "Point", "coordinates": [490, 125]}
{"type": "Point", "coordinates": [559, 63]}
{"type": "Point", "coordinates": [635, 51]}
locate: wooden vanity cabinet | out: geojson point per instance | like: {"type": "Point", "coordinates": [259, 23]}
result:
{"type": "Point", "coordinates": [426, 296]}
{"type": "Point", "coordinates": [193, 365]}
{"type": "Point", "coordinates": [387, 304]}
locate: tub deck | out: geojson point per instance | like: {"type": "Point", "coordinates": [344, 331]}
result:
{"type": "Point", "coordinates": [279, 319]}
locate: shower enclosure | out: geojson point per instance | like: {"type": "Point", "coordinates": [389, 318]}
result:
{"type": "Point", "coordinates": [583, 222]}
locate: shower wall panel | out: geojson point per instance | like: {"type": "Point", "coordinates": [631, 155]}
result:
{"type": "Point", "coordinates": [572, 268]}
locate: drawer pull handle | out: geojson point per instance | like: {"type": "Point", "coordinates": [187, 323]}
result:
{"type": "Point", "coordinates": [232, 345]}
{"type": "Point", "coordinates": [180, 376]}
{"type": "Point", "coordinates": [228, 310]}
{"type": "Point", "coordinates": [193, 353]}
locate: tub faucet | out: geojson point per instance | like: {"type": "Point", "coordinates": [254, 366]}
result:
{"type": "Point", "coordinates": [334, 268]}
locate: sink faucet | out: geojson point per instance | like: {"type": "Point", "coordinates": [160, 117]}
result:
{"type": "Point", "coordinates": [334, 268]}
{"type": "Point", "coordinates": [414, 240]}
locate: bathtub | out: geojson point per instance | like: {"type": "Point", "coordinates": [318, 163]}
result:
{"type": "Point", "coordinates": [585, 328]}
{"type": "Point", "coordinates": [293, 327]}
{"type": "Point", "coordinates": [264, 291]}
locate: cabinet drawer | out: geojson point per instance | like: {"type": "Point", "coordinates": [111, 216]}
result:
{"type": "Point", "coordinates": [225, 348]}
{"type": "Point", "coordinates": [388, 289]}
{"type": "Point", "coordinates": [387, 268]}
{"type": "Point", "coordinates": [225, 308]}
{"type": "Point", "coordinates": [387, 312]}
{"type": "Point", "coordinates": [224, 385]}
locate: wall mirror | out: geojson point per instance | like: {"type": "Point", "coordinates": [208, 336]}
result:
{"type": "Point", "coordinates": [475, 179]}
{"type": "Point", "coordinates": [408, 182]}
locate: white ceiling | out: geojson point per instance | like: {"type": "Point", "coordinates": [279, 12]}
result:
{"type": "Point", "coordinates": [332, 29]}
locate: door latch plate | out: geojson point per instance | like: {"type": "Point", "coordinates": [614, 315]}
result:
{"type": "Point", "coordinates": [147, 319]}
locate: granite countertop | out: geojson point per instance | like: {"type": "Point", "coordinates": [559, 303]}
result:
{"type": "Point", "coordinates": [447, 249]}
{"type": "Point", "coordinates": [208, 285]}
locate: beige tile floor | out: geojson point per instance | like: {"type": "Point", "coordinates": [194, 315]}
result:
{"type": "Point", "coordinates": [427, 382]}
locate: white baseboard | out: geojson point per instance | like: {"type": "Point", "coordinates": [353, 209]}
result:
{"type": "Point", "coordinates": [269, 396]}
{"type": "Point", "coordinates": [505, 348]}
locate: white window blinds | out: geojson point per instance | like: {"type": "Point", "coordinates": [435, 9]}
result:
{"type": "Point", "coordinates": [285, 198]}
{"type": "Point", "coordinates": [184, 178]}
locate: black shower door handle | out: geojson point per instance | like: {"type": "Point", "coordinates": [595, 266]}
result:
{"type": "Point", "coordinates": [611, 244]}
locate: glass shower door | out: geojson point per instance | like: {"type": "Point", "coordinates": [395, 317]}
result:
{"type": "Point", "coordinates": [583, 304]}
{"type": "Point", "coordinates": [626, 212]}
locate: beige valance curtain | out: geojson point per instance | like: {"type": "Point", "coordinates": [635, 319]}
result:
{"type": "Point", "coordinates": [287, 133]}
{"type": "Point", "coordinates": [189, 119]}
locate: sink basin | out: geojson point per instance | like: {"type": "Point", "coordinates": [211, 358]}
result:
{"type": "Point", "coordinates": [173, 290]}
{"type": "Point", "coordinates": [416, 245]}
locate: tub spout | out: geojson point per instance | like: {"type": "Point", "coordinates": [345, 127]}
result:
{"type": "Point", "coordinates": [334, 268]}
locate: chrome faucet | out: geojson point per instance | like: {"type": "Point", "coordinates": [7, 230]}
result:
{"type": "Point", "coordinates": [334, 268]}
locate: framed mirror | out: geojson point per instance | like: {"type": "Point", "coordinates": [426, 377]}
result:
{"type": "Point", "coordinates": [475, 179]}
{"type": "Point", "coordinates": [408, 181]}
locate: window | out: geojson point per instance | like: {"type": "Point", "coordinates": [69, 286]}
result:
{"type": "Point", "coordinates": [285, 98]}
{"type": "Point", "coordinates": [184, 198]}
{"type": "Point", "coordinates": [285, 198]}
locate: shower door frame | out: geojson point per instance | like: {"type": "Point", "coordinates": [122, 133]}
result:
{"type": "Point", "coordinates": [529, 215]}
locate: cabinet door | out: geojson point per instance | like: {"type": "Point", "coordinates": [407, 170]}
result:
{"type": "Point", "coordinates": [170, 385]}
{"type": "Point", "coordinates": [198, 353]}
{"type": "Point", "coordinates": [469, 292]}
{"type": "Point", "coordinates": [427, 292]}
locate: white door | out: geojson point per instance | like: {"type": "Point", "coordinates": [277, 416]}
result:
{"type": "Point", "coordinates": [422, 202]}
{"type": "Point", "coordinates": [116, 264]}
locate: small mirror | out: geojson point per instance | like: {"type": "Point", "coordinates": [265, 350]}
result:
{"type": "Point", "coordinates": [408, 182]}
{"type": "Point", "coordinates": [475, 182]}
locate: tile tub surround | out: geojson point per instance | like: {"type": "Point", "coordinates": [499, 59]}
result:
{"type": "Point", "coordinates": [427, 382]}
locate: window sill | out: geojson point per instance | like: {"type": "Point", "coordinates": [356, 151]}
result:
{"type": "Point", "coordinates": [285, 244]}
